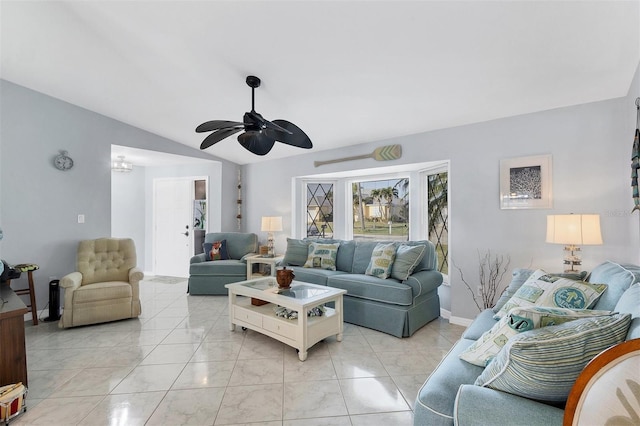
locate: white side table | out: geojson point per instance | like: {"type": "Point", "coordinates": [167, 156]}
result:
{"type": "Point", "coordinates": [263, 259]}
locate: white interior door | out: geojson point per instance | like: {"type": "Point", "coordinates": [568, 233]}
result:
{"type": "Point", "coordinates": [173, 239]}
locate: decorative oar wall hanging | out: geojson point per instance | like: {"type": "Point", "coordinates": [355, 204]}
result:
{"type": "Point", "coordinates": [635, 160]}
{"type": "Point", "coordinates": [384, 153]}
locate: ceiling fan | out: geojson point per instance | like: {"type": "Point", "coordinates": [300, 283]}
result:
{"type": "Point", "coordinates": [259, 134]}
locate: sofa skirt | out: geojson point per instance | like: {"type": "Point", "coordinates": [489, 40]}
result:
{"type": "Point", "coordinates": [397, 320]}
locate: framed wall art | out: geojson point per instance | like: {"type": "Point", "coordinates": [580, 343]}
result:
{"type": "Point", "coordinates": [525, 182]}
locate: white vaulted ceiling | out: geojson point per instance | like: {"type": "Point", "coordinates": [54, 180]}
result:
{"type": "Point", "coordinates": [346, 72]}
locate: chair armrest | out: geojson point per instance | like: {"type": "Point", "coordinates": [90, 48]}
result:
{"type": "Point", "coordinates": [479, 406]}
{"type": "Point", "coordinates": [71, 281]}
{"type": "Point", "coordinates": [199, 258]}
{"type": "Point", "coordinates": [136, 275]}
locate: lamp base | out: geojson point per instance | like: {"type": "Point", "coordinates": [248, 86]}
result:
{"type": "Point", "coordinates": [571, 258]}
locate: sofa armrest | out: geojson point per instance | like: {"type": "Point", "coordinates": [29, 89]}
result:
{"type": "Point", "coordinates": [244, 258]}
{"type": "Point", "coordinates": [424, 281]}
{"type": "Point", "coordinates": [199, 258]}
{"type": "Point", "coordinates": [476, 405]}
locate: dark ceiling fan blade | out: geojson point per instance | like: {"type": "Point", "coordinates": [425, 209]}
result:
{"type": "Point", "coordinates": [294, 136]}
{"type": "Point", "coordinates": [217, 136]}
{"type": "Point", "coordinates": [256, 141]}
{"type": "Point", "coordinates": [218, 124]}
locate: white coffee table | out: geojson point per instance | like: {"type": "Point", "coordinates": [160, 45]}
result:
{"type": "Point", "coordinates": [300, 333]}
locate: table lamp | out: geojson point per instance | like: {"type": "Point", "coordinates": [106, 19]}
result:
{"type": "Point", "coordinates": [573, 230]}
{"type": "Point", "coordinates": [271, 224]}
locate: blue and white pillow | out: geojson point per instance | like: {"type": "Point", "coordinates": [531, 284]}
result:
{"type": "Point", "coordinates": [543, 289]}
{"type": "Point", "coordinates": [381, 261]}
{"type": "Point", "coordinates": [543, 364]}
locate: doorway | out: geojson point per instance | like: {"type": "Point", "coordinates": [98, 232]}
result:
{"type": "Point", "coordinates": [179, 220]}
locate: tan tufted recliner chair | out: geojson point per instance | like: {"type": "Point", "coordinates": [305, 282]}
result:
{"type": "Point", "coordinates": [105, 286]}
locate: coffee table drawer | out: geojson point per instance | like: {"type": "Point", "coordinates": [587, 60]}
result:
{"type": "Point", "coordinates": [279, 327]}
{"type": "Point", "coordinates": [247, 316]}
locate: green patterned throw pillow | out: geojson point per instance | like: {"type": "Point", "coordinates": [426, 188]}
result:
{"type": "Point", "coordinates": [542, 289]}
{"type": "Point", "coordinates": [407, 258]}
{"type": "Point", "coordinates": [519, 320]}
{"type": "Point", "coordinates": [322, 256]}
{"type": "Point", "coordinates": [381, 261]}
{"type": "Point", "coordinates": [543, 364]}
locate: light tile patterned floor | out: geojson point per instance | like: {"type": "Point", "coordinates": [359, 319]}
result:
{"type": "Point", "coordinates": [179, 364]}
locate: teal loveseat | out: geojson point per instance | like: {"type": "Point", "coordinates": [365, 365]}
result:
{"type": "Point", "coordinates": [395, 306]}
{"type": "Point", "coordinates": [210, 276]}
{"type": "Point", "coordinates": [449, 395]}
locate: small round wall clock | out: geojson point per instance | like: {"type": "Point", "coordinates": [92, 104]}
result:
{"type": "Point", "coordinates": [63, 161]}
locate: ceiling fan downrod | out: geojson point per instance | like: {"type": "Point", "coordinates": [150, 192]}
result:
{"type": "Point", "coordinates": [253, 82]}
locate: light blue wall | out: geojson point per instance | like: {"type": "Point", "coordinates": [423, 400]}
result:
{"type": "Point", "coordinates": [128, 201]}
{"type": "Point", "coordinates": [39, 205]}
{"type": "Point", "coordinates": [590, 145]}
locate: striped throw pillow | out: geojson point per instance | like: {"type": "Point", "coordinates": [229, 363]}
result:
{"type": "Point", "coordinates": [544, 363]}
{"type": "Point", "coordinates": [520, 320]}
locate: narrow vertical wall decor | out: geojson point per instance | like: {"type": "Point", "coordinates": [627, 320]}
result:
{"type": "Point", "coordinates": [239, 202]}
{"type": "Point", "coordinates": [635, 160]}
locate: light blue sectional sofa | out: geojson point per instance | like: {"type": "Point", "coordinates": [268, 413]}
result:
{"type": "Point", "coordinates": [393, 306]}
{"type": "Point", "coordinates": [209, 277]}
{"type": "Point", "coordinates": [449, 395]}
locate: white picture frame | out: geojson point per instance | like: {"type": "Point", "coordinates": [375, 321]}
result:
{"type": "Point", "coordinates": [525, 182]}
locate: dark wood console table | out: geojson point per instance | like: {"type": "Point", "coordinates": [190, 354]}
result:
{"type": "Point", "coordinates": [13, 356]}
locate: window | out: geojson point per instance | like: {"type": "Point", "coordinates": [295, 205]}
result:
{"type": "Point", "coordinates": [380, 209]}
{"type": "Point", "coordinates": [319, 210]}
{"type": "Point", "coordinates": [438, 216]}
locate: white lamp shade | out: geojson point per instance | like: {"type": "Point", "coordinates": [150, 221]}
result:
{"type": "Point", "coordinates": [576, 229]}
{"type": "Point", "coordinates": [271, 223]}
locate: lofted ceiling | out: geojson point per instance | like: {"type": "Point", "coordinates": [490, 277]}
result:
{"type": "Point", "coordinates": [346, 72]}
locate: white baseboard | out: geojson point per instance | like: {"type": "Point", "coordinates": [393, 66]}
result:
{"type": "Point", "coordinates": [466, 322]}
{"type": "Point", "coordinates": [455, 320]}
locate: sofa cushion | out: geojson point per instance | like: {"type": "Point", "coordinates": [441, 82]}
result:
{"type": "Point", "coordinates": [617, 277]}
{"type": "Point", "coordinates": [436, 398]}
{"type": "Point", "coordinates": [373, 288]}
{"type": "Point", "coordinates": [629, 303]}
{"type": "Point", "coordinates": [407, 259]}
{"type": "Point", "coordinates": [239, 244]}
{"type": "Point", "coordinates": [313, 275]}
{"type": "Point", "coordinates": [216, 250]}
{"type": "Point", "coordinates": [322, 255]}
{"type": "Point", "coordinates": [344, 259]}
{"type": "Point", "coordinates": [109, 290]}
{"type": "Point", "coordinates": [362, 255]}
{"type": "Point", "coordinates": [544, 364]}
{"type": "Point", "coordinates": [519, 320]}
{"type": "Point", "coordinates": [381, 261]}
{"type": "Point", "coordinates": [230, 267]}
{"type": "Point", "coordinates": [482, 323]}
{"type": "Point", "coordinates": [542, 289]}
{"type": "Point", "coordinates": [296, 253]}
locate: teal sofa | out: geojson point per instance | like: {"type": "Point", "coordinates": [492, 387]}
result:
{"type": "Point", "coordinates": [449, 395]}
{"type": "Point", "coordinates": [393, 306]}
{"type": "Point", "coordinates": [209, 277]}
